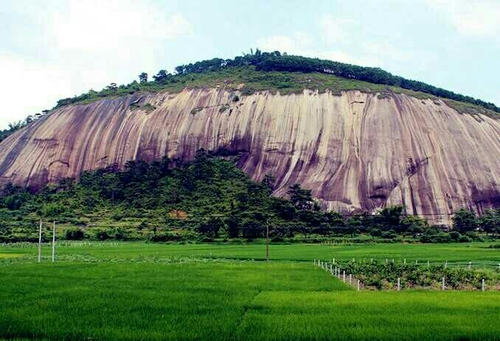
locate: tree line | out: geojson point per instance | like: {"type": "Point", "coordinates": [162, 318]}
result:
{"type": "Point", "coordinates": [208, 198]}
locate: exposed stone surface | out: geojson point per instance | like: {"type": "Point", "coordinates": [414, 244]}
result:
{"type": "Point", "coordinates": [355, 151]}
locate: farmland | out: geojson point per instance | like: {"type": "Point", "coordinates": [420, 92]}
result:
{"type": "Point", "coordinates": [129, 291]}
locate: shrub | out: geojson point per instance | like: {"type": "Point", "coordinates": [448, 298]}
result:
{"type": "Point", "coordinates": [464, 239]}
{"type": "Point", "coordinates": [455, 236]}
{"type": "Point", "coordinates": [74, 234]}
{"type": "Point", "coordinates": [102, 235]}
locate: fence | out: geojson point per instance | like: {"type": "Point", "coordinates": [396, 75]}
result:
{"type": "Point", "coordinates": [464, 275]}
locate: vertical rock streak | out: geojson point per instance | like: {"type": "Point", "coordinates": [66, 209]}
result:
{"type": "Point", "coordinates": [355, 151]}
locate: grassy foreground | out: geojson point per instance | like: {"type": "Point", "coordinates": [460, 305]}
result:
{"type": "Point", "coordinates": [135, 291]}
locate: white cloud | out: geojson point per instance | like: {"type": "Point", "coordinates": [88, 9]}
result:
{"type": "Point", "coordinates": [301, 44]}
{"type": "Point", "coordinates": [386, 55]}
{"type": "Point", "coordinates": [290, 44]}
{"type": "Point", "coordinates": [336, 30]}
{"type": "Point", "coordinates": [385, 49]}
{"type": "Point", "coordinates": [85, 44]}
{"type": "Point", "coordinates": [473, 18]}
{"type": "Point", "coordinates": [280, 43]}
{"type": "Point", "coordinates": [28, 88]}
{"type": "Point", "coordinates": [111, 24]}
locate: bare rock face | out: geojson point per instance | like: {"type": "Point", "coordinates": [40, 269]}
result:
{"type": "Point", "coordinates": [356, 151]}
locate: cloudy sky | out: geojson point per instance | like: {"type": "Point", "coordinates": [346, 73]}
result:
{"type": "Point", "coordinates": [50, 49]}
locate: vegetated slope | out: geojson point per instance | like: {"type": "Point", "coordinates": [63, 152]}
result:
{"type": "Point", "coordinates": [356, 151]}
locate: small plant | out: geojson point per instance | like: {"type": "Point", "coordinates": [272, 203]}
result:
{"type": "Point", "coordinates": [148, 108]}
{"type": "Point", "coordinates": [223, 108]}
{"type": "Point", "coordinates": [196, 110]}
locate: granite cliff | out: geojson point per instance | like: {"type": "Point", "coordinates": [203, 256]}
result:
{"type": "Point", "coordinates": [356, 151]}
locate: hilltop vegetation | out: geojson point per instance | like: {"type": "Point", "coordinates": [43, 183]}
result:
{"type": "Point", "coordinates": [263, 71]}
{"type": "Point", "coordinates": [206, 199]}
{"type": "Point", "coordinates": [13, 127]}
{"type": "Point", "coordinates": [275, 71]}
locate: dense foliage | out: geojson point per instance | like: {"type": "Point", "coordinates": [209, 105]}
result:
{"type": "Point", "coordinates": [207, 198]}
{"type": "Point", "coordinates": [382, 275]}
{"type": "Point", "coordinates": [277, 62]}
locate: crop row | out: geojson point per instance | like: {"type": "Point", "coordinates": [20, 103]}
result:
{"type": "Point", "coordinates": [379, 275]}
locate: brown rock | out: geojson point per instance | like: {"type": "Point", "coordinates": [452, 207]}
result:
{"type": "Point", "coordinates": [355, 151]}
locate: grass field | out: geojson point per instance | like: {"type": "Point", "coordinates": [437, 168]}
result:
{"type": "Point", "coordinates": [478, 253]}
{"type": "Point", "coordinates": [133, 291]}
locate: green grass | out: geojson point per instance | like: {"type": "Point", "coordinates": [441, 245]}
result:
{"type": "Point", "coordinates": [10, 255]}
{"type": "Point", "coordinates": [478, 253]}
{"type": "Point", "coordinates": [133, 291]}
{"type": "Point", "coordinates": [372, 315]}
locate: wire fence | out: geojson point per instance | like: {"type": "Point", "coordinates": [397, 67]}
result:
{"type": "Point", "coordinates": [402, 275]}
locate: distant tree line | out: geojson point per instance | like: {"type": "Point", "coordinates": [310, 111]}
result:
{"type": "Point", "coordinates": [276, 61]}
{"type": "Point", "coordinates": [205, 199]}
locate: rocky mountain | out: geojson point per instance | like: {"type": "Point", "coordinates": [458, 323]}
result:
{"type": "Point", "coordinates": [355, 151]}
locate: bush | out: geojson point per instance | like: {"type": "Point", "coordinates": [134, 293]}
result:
{"type": "Point", "coordinates": [166, 237]}
{"type": "Point", "coordinates": [102, 235]}
{"type": "Point", "coordinates": [464, 239]}
{"type": "Point", "coordinates": [74, 234]}
{"type": "Point", "coordinates": [455, 236]}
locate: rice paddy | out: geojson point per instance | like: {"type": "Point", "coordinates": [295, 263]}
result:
{"type": "Point", "coordinates": [138, 291]}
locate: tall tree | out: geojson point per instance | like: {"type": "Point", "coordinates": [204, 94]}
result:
{"type": "Point", "coordinates": [143, 77]}
{"type": "Point", "coordinates": [301, 198]}
{"type": "Point", "coordinates": [465, 221]}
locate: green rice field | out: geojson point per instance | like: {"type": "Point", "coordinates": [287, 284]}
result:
{"type": "Point", "coordinates": [139, 291]}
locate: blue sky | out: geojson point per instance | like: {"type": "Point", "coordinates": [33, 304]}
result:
{"type": "Point", "coordinates": [59, 48]}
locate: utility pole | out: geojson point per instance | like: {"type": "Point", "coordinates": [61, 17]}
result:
{"type": "Point", "coordinates": [40, 243]}
{"type": "Point", "coordinates": [267, 240]}
{"type": "Point", "coordinates": [54, 242]}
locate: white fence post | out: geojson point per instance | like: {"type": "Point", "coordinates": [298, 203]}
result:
{"type": "Point", "coordinates": [358, 285]}
{"type": "Point", "coordinates": [442, 284]}
{"type": "Point", "coordinates": [399, 284]}
{"type": "Point", "coordinates": [482, 284]}
{"type": "Point", "coordinates": [40, 243]}
{"type": "Point", "coordinates": [54, 243]}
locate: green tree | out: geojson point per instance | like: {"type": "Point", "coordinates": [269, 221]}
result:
{"type": "Point", "coordinates": [211, 227]}
{"type": "Point", "coordinates": [391, 217]}
{"type": "Point", "coordinates": [465, 221]}
{"type": "Point", "coordinates": [143, 77]}
{"type": "Point", "coordinates": [301, 198]}
{"type": "Point", "coordinates": [269, 182]}
{"type": "Point", "coordinates": [414, 224]}
{"type": "Point", "coordinates": [490, 221]}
